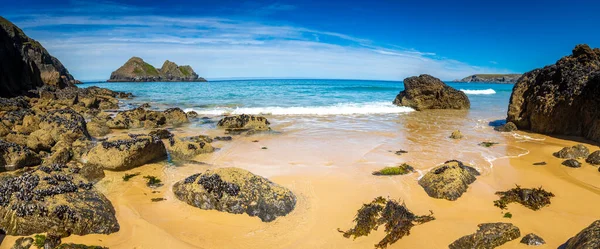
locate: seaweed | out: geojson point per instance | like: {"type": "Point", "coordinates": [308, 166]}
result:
{"type": "Point", "coordinates": [158, 199]}
{"type": "Point", "coordinates": [507, 215]}
{"type": "Point", "coordinates": [396, 218]}
{"type": "Point", "coordinates": [153, 181]}
{"type": "Point", "coordinates": [399, 170]}
{"type": "Point", "coordinates": [126, 177]}
{"type": "Point", "coordinates": [534, 199]}
{"type": "Point", "coordinates": [487, 144]}
{"type": "Point", "coordinates": [39, 240]}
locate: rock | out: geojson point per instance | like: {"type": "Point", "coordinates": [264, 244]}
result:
{"type": "Point", "coordinates": [92, 173]}
{"type": "Point", "coordinates": [399, 170]}
{"type": "Point", "coordinates": [532, 240]}
{"type": "Point", "coordinates": [127, 152]}
{"type": "Point", "coordinates": [492, 78]}
{"type": "Point", "coordinates": [52, 241]}
{"type": "Point", "coordinates": [161, 134]}
{"type": "Point", "coordinates": [508, 127]}
{"type": "Point", "coordinates": [40, 140]}
{"type": "Point", "coordinates": [65, 125]}
{"type": "Point", "coordinates": [448, 181]}
{"type": "Point", "coordinates": [427, 92]}
{"type": "Point", "coordinates": [594, 158]}
{"type": "Point", "coordinates": [98, 128]}
{"type": "Point", "coordinates": [184, 150]}
{"type": "Point", "coordinates": [244, 123]}
{"type": "Point", "coordinates": [192, 114]}
{"type": "Point", "coordinates": [396, 218]}
{"type": "Point", "coordinates": [456, 135]}
{"type": "Point", "coordinates": [79, 246]}
{"type": "Point", "coordinates": [23, 243]}
{"type": "Point", "coordinates": [534, 199]}
{"type": "Point", "coordinates": [400, 152]}
{"type": "Point", "coordinates": [225, 138]}
{"type": "Point", "coordinates": [575, 152]}
{"type": "Point", "coordinates": [14, 156]}
{"type": "Point", "coordinates": [588, 238]}
{"type": "Point", "coordinates": [137, 70]}
{"type": "Point", "coordinates": [141, 118]}
{"type": "Point", "coordinates": [61, 154]}
{"type": "Point", "coordinates": [572, 163]}
{"type": "Point", "coordinates": [561, 98]}
{"type": "Point", "coordinates": [175, 116]}
{"type": "Point", "coordinates": [488, 236]}
{"type": "Point", "coordinates": [27, 65]}
{"type": "Point", "coordinates": [539, 163]}
{"type": "Point", "coordinates": [236, 191]}
{"type": "Point", "coordinates": [54, 200]}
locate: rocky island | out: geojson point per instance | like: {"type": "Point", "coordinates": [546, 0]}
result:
{"type": "Point", "coordinates": [492, 78]}
{"type": "Point", "coordinates": [137, 70]}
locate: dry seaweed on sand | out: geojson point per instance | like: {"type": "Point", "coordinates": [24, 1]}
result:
{"type": "Point", "coordinates": [398, 170]}
{"type": "Point", "coordinates": [398, 220]}
{"type": "Point", "coordinates": [534, 199]}
{"type": "Point", "coordinates": [153, 181]}
{"type": "Point", "coordinates": [487, 144]}
{"type": "Point", "coordinates": [126, 177]}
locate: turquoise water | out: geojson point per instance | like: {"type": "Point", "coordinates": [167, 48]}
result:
{"type": "Point", "coordinates": [298, 97]}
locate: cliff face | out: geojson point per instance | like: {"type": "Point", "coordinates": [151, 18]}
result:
{"type": "Point", "coordinates": [26, 65]}
{"type": "Point", "coordinates": [492, 78]}
{"type": "Point", "coordinates": [561, 98]}
{"type": "Point", "coordinates": [136, 70]}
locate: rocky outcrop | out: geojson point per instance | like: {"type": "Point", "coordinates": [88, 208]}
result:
{"type": "Point", "coordinates": [492, 78]}
{"type": "Point", "coordinates": [142, 118]}
{"type": "Point", "coordinates": [126, 152]}
{"type": "Point", "coordinates": [560, 99]}
{"type": "Point", "coordinates": [488, 236]}
{"type": "Point", "coordinates": [14, 156]}
{"type": "Point", "coordinates": [586, 239]}
{"type": "Point", "coordinates": [448, 181]}
{"type": "Point", "coordinates": [26, 64]}
{"type": "Point", "coordinates": [244, 123]}
{"type": "Point", "coordinates": [427, 92]}
{"type": "Point", "coordinates": [53, 199]}
{"type": "Point", "coordinates": [236, 191]}
{"type": "Point", "coordinates": [137, 70]}
{"type": "Point", "coordinates": [575, 152]}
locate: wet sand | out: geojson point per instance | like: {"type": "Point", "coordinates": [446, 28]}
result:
{"type": "Point", "coordinates": [327, 162]}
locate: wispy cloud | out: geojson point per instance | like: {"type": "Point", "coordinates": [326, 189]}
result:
{"type": "Point", "coordinates": [93, 45]}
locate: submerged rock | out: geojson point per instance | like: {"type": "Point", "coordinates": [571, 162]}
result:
{"type": "Point", "coordinates": [588, 238]}
{"type": "Point", "coordinates": [236, 191]}
{"type": "Point", "coordinates": [575, 152]}
{"type": "Point", "coordinates": [488, 236]}
{"type": "Point", "coordinates": [448, 181]}
{"type": "Point", "coordinates": [456, 135]}
{"type": "Point", "coordinates": [532, 240]}
{"type": "Point", "coordinates": [508, 127]}
{"type": "Point", "coordinates": [14, 156]}
{"type": "Point", "coordinates": [561, 98]}
{"type": "Point", "coordinates": [127, 152]}
{"type": "Point", "coordinates": [427, 92]}
{"type": "Point", "coordinates": [534, 199]}
{"type": "Point", "coordinates": [572, 163]}
{"type": "Point", "coordinates": [396, 218]}
{"type": "Point", "coordinates": [244, 123]}
{"type": "Point", "coordinates": [594, 158]}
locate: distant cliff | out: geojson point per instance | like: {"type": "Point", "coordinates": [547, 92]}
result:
{"type": "Point", "coordinates": [25, 64]}
{"type": "Point", "coordinates": [492, 78]}
{"type": "Point", "coordinates": [137, 70]}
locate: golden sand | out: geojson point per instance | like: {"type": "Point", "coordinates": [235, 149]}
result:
{"type": "Point", "coordinates": [329, 170]}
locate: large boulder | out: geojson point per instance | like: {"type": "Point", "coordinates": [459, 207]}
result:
{"type": "Point", "coordinates": [575, 152]}
{"type": "Point", "coordinates": [488, 236]}
{"type": "Point", "coordinates": [14, 156]}
{"type": "Point", "coordinates": [236, 191]}
{"type": "Point", "coordinates": [142, 118]}
{"type": "Point", "coordinates": [588, 238]}
{"type": "Point", "coordinates": [65, 125]}
{"type": "Point", "coordinates": [561, 98]}
{"type": "Point", "coordinates": [427, 92]}
{"type": "Point", "coordinates": [244, 123]}
{"type": "Point", "coordinates": [448, 181]}
{"type": "Point", "coordinates": [53, 199]}
{"type": "Point", "coordinates": [126, 152]}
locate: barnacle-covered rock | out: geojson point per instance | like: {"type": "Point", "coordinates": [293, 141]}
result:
{"type": "Point", "coordinates": [183, 149]}
{"type": "Point", "coordinates": [127, 152]}
{"type": "Point", "coordinates": [488, 236]}
{"type": "Point", "coordinates": [142, 118]}
{"type": "Point", "coordinates": [14, 156]}
{"type": "Point", "coordinates": [448, 181]}
{"type": "Point", "coordinates": [244, 123]}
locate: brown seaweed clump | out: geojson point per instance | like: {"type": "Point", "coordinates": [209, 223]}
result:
{"type": "Point", "coordinates": [534, 199]}
{"type": "Point", "coordinates": [398, 220]}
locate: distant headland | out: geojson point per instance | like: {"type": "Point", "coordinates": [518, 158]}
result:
{"type": "Point", "coordinates": [492, 78]}
{"type": "Point", "coordinates": [137, 70]}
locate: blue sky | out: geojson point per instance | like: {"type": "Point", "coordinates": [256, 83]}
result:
{"type": "Point", "coordinates": [386, 40]}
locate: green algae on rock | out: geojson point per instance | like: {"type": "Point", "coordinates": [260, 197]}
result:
{"type": "Point", "coordinates": [488, 236]}
{"type": "Point", "coordinates": [487, 144]}
{"type": "Point", "coordinates": [398, 170]}
{"type": "Point", "coordinates": [127, 152]}
{"type": "Point", "coordinates": [236, 191]}
{"type": "Point", "coordinates": [137, 70]}
{"type": "Point", "coordinates": [448, 181]}
{"type": "Point", "coordinates": [534, 199]}
{"type": "Point", "coordinates": [396, 218]}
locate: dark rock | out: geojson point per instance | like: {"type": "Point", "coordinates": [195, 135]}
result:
{"type": "Point", "coordinates": [92, 173]}
{"type": "Point", "coordinates": [448, 181]}
{"type": "Point", "coordinates": [161, 134]}
{"type": "Point", "coordinates": [427, 92]}
{"type": "Point", "coordinates": [192, 114]}
{"type": "Point", "coordinates": [225, 138]}
{"type": "Point", "coordinates": [572, 163]}
{"type": "Point", "coordinates": [508, 127]}
{"type": "Point", "coordinates": [244, 123]}
{"type": "Point", "coordinates": [560, 98]}
{"type": "Point", "coordinates": [14, 156]}
{"type": "Point", "coordinates": [575, 152]}
{"type": "Point", "coordinates": [400, 152]}
{"type": "Point", "coordinates": [540, 163]}
{"type": "Point", "coordinates": [23, 243]}
{"type": "Point", "coordinates": [126, 152]}
{"type": "Point", "coordinates": [531, 198]}
{"type": "Point", "coordinates": [236, 191]}
{"type": "Point", "coordinates": [51, 241]}
{"type": "Point", "coordinates": [137, 70]}
{"type": "Point", "coordinates": [594, 158]}
{"type": "Point", "coordinates": [488, 236]}
{"type": "Point", "coordinates": [532, 240]}
{"type": "Point", "coordinates": [588, 238]}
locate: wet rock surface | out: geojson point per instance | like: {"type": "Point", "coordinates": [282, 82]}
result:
{"type": "Point", "coordinates": [126, 152]}
{"type": "Point", "coordinates": [244, 123]}
{"type": "Point", "coordinates": [534, 199]}
{"type": "Point", "coordinates": [588, 238]}
{"type": "Point", "coordinates": [448, 181]}
{"type": "Point", "coordinates": [532, 240]}
{"type": "Point", "coordinates": [575, 152]}
{"type": "Point", "coordinates": [236, 191]}
{"type": "Point", "coordinates": [142, 118]}
{"type": "Point", "coordinates": [488, 236]}
{"type": "Point", "coordinates": [572, 163]}
{"type": "Point", "coordinates": [427, 92]}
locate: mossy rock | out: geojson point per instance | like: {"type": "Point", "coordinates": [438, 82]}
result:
{"type": "Point", "coordinates": [448, 181]}
{"type": "Point", "coordinates": [398, 170]}
{"type": "Point", "coordinates": [127, 152]}
{"type": "Point", "coordinates": [488, 236]}
{"type": "Point", "coordinates": [236, 191]}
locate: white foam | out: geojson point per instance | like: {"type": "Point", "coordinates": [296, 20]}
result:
{"type": "Point", "coordinates": [479, 92]}
{"type": "Point", "coordinates": [338, 109]}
